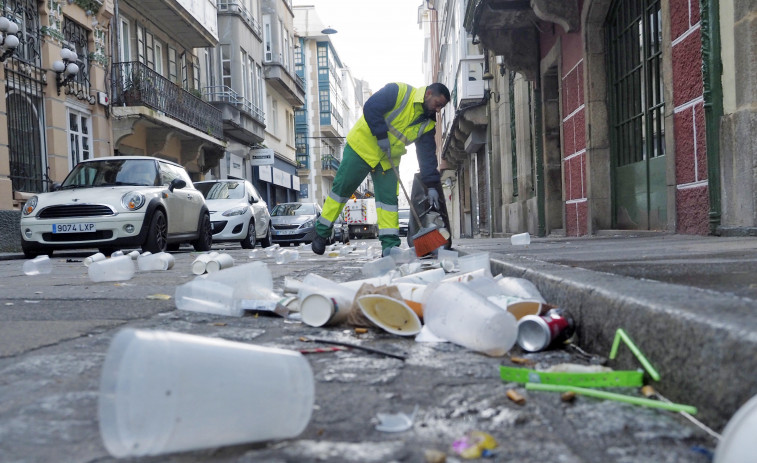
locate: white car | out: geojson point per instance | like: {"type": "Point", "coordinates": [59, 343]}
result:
{"type": "Point", "coordinates": [118, 202]}
{"type": "Point", "coordinates": [237, 212]}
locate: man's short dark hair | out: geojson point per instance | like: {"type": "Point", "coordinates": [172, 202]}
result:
{"type": "Point", "coordinates": [439, 89]}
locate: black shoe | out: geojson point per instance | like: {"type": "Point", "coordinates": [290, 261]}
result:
{"type": "Point", "coordinates": [318, 245]}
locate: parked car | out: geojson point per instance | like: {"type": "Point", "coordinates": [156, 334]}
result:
{"type": "Point", "coordinates": [404, 219]}
{"type": "Point", "coordinates": [117, 202]}
{"type": "Point", "coordinates": [237, 212]}
{"type": "Point", "coordinates": [341, 230]}
{"type": "Point", "coordinates": [294, 222]}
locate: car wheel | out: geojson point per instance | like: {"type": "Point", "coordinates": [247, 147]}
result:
{"type": "Point", "coordinates": [267, 240]}
{"type": "Point", "coordinates": [205, 241]}
{"type": "Point", "coordinates": [157, 234]}
{"type": "Point", "coordinates": [249, 241]}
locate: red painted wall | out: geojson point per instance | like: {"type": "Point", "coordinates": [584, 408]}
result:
{"type": "Point", "coordinates": [692, 199]}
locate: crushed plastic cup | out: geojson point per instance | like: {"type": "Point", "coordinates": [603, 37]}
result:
{"type": "Point", "coordinates": [219, 262]}
{"type": "Point", "coordinates": [473, 262]}
{"type": "Point", "coordinates": [159, 261]}
{"type": "Point", "coordinates": [163, 392]}
{"type": "Point", "coordinates": [285, 256]}
{"type": "Point", "coordinates": [521, 239]}
{"type": "Point", "coordinates": [114, 269]}
{"type": "Point", "coordinates": [390, 314]}
{"type": "Point", "coordinates": [40, 265]}
{"type": "Point", "coordinates": [519, 287]}
{"type": "Point", "coordinates": [378, 267]}
{"type": "Point", "coordinates": [402, 256]}
{"type": "Point", "coordinates": [458, 314]}
{"type": "Point", "coordinates": [95, 257]}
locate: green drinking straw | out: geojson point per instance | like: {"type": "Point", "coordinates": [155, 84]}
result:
{"type": "Point", "coordinates": [622, 335]}
{"type": "Point", "coordinates": [613, 396]}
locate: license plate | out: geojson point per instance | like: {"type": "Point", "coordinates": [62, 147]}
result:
{"type": "Point", "coordinates": [287, 232]}
{"type": "Point", "coordinates": [74, 228]}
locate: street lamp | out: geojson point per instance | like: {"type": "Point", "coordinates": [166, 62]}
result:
{"type": "Point", "coordinates": [66, 69]}
{"type": "Point", "coordinates": [8, 40]}
{"type": "Point", "coordinates": [329, 31]}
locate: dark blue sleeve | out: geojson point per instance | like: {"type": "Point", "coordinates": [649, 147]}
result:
{"type": "Point", "coordinates": [425, 150]}
{"type": "Point", "coordinates": [377, 106]}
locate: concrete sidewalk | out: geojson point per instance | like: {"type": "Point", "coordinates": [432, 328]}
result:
{"type": "Point", "coordinates": [688, 302]}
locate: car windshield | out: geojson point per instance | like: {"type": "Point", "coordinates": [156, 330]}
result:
{"type": "Point", "coordinates": [293, 209]}
{"type": "Point", "coordinates": [404, 213]}
{"type": "Point", "coordinates": [113, 172]}
{"type": "Point", "coordinates": [221, 190]}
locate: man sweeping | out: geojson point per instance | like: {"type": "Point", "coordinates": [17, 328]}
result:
{"type": "Point", "coordinates": [394, 117]}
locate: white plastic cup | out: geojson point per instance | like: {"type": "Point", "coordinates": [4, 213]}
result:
{"type": "Point", "coordinates": [94, 258]}
{"type": "Point", "coordinates": [456, 313]}
{"type": "Point", "coordinates": [200, 262]}
{"type": "Point", "coordinates": [390, 314]}
{"type": "Point", "coordinates": [159, 261]}
{"type": "Point", "coordinates": [402, 256]}
{"type": "Point", "coordinates": [40, 265]}
{"type": "Point", "coordinates": [219, 262]}
{"type": "Point", "coordinates": [248, 280]}
{"type": "Point", "coordinates": [428, 276]}
{"type": "Point", "coordinates": [378, 267]}
{"type": "Point", "coordinates": [285, 256]}
{"type": "Point", "coordinates": [116, 253]}
{"type": "Point", "coordinates": [473, 262]}
{"type": "Point", "coordinates": [521, 239]}
{"type": "Point", "coordinates": [323, 301]}
{"type": "Point", "coordinates": [134, 255]}
{"type": "Point", "coordinates": [205, 296]}
{"type": "Point", "coordinates": [114, 269]}
{"type": "Point", "coordinates": [164, 392]}
{"type": "Point", "coordinates": [519, 287]}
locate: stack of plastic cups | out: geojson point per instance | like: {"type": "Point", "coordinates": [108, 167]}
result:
{"type": "Point", "coordinates": [159, 261]}
{"type": "Point", "coordinates": [114, 269]}
{"type": "Point", "coordinates": [284, 256]}
{"type": "Point", "coordinates": [94, 258]}
{"type": "Point", "coordinates": [456, 313]}
{"type": "Point", "coordinates": [163, 392]}
{"type": "Point", "coordinates": [200, 263]}
{"type": "Point", "coordinates": [40, 265]}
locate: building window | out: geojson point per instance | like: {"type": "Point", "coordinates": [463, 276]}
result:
{"type": "Point", "coordinates": [78, 38]}
{"type": "Point", "coordinates": [149, 50]}
{"type": "Point", "coordinates": [25, 14]}
{"type": "Point", "coordinates": [25, 135]}
{"type": "Point", "coordinates": [226, 66]}
{"type": "Point", "coordinates": [140, 44]}
{"type": "Point", "coordinates": [274, 117]}
{"type": "Point", "coordinates": [173, 75]}
{"type": "Point", "coordinates": [79, 133]}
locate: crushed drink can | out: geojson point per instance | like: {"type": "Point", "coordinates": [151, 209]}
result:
{"type": "Point", "coordinates": [538, 332]}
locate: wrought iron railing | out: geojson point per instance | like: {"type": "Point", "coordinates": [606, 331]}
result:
{"type": "Point", "coordinates": [329, 162]}
{"type": "Point", "coordinates": [303, 161]}
{"type": "Point", "coordinates": [225, 94]}
{"type": "Point", "coordinates": [138, 85]}
{"type": "Point", "coordinates": [236, 7]}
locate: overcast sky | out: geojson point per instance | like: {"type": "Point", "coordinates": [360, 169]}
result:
{"type": "Point", "coordinates": [381, 42]}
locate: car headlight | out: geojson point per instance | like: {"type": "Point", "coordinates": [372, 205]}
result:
{"type": "Point", "coordinates": [235, 211]}
{"type": "Point", "coordinates": [133, 200]}
{"type": "Point", "coordinates": [308, 224]}
{"type": "Point", "coordinates": [30, 205]}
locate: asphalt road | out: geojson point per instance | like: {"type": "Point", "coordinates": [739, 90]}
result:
{"type": "Point", "coordinates": [55, 330]}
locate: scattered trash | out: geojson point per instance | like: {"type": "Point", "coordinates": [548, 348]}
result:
{"type": "Point", "coordinates": [513, 395]}
{"type": "Point", "coordinates": [390, 314]}
{"type": "Point", "coordinates": [354, 346]}
{"type": "Point", "coordinates": [114, 269]}
{"type": "Point", "coordinates": [520, 239]}
{"type": "Point", "coordinates": [434, 456]}
{"type": "Point", "coordinates": [285, 256]}
{"type": "Point", "coordinates": [568, 396]}
{"type": "Point", "coordinates": [201, 261]}
{"type": "Point", "coordinates": [397, 422]}
{"type": "Point", "coordinates": [144, 410]}
{"type": "Point", "coordinates": [40, 265]}
{"type": "Point", "coordinates": [621, 378]}
{"type": "Point", "coordinates": [475, 444]}
{"type": "Point", "coordinates": [360, 330]}
{"type": "Point", "coordinates": [219, 262]}
{"type": "Point", "coordinates": [621, 335]}
{"type": "Point", "coordinates": [473, 262]}
{"type": "Point", "coordinates": [159, 297]}
{"type": "Point", "coordinates": [319, 350]}
{"type": "Point", "coordinates": [161, 261]}
{"type": "Point", "coordinates": [537, 332]}
{"type": "Point", "coordinates": [94, 258]}
{"type": "Point", "coordinates": [521, 361]}
{"type": "Point", "coordinates": [648, 391]}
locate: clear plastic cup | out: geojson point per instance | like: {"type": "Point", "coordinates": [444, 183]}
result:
{"type": "Point", "coordinates": [521, 239]}
{"type": "Point", "coordinates": [114, 269]}
{"type": "Point", "coordinates": [159, 261]}
{"type": "Point", "coordinates": [284, 256]}
{"type": "Point", "coordinates": [402, 256]}
{"type": "Point", "coordinates": [202, 295]}
{"type": "Point", "coordinates": [458, 314]}
{"type": "Point", "coordinates": [473, 262]}
{"type": "Point", "coordinates": [164, 392]}
{"type": "Point", "coordinates": [94, 258]}
{"type": "Point", "coordinates": [219, 262]}
{"type": "Point", "coordinates": [378, 267]}
{"type": "Point", "coordinates": [40, 265]}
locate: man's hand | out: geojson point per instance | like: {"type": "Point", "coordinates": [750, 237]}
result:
{"type": "Point", "coordinates": [433, 198]}
{"type": "Point", "coordinates": [385, 146]}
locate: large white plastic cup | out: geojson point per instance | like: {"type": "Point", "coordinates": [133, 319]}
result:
{"type": "Point", "coordinates": [201, 261]}
{"type": "Point", "coordinates": [219, 262]}
{"type": "Point", "coordinates": [521, 239]}
{"type": "Point", "coordinates": [119, 268]}
{"type": "Point", "coordinates": [163, 392]}
{"type": "Point", "coordinates": [323, 301]}
{"type": "Point", "coordinates": [390, 314]}
{"type": "Point", "coordinates": [40, 265]}
{"type": "Point", "coordinates": [456, 313]}
{"type": "Point", "coordinates": [95, 257]}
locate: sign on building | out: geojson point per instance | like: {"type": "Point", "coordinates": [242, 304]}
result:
{"type": "Point", "coordinates": [261, 157]}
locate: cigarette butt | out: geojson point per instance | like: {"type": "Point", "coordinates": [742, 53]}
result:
{"type": "Point", "coordinates": [521, 361]}
{"type": "Point", "coordinates": [361, 330]}
{"type": "Point", "coordinates": [568, 396]}
{"type": "Point", "coordinates": [648, 391]}
{"type": "Point", "coordinates": [513, 395]}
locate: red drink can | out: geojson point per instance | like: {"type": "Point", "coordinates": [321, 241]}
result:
{"type": "Point", "coordinates": [537, 332]}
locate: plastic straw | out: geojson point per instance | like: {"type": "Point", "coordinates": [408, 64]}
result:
{"type": "Point", "coordinates": [622, 335]}
{"type": "Point", "coordinates": [613, 396]}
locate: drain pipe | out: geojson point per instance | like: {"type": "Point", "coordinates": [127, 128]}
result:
{"type": "Point", "coordinates": [538, 133]}
{"type": "Point", "coordinates": [712, 68]}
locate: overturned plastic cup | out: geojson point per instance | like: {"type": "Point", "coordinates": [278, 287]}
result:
{"type": "Point", "coordinates": [473, 262]}
{"type": "Point", "coordinates": [119, 268]}
{"type": "Point", "coordinates": [390, 314]}
{"type": "Point", "coordinates": [163, 392]}
{"type": "Point", "coordinates": [40, 265]}
{"type": "Point", "coordinates": [520, 239]}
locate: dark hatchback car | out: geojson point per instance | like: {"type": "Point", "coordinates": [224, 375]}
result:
{"type": "Point", "coordinates": [294, 222]}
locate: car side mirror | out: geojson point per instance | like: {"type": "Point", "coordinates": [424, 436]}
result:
{"type": "Point", "coordinates": [55, 187]}
{"type": "Point", "coordinates": [176, 183]}
{"type": "Point", "coordinates": [253, 200]}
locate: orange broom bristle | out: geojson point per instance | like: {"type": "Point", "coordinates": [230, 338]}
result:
{"type": "Point", "coordinates": [426, 241]}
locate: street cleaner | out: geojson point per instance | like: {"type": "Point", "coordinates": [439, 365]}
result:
{"type": "Point", "coordinates": [394, 117]}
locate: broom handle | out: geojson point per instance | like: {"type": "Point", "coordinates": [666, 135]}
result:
{"type": "Point", "coordinates": [407, 196]}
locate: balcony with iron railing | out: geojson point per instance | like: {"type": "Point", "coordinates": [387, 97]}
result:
{"type": "Point", "coordinates": [225, 94]}
{"type": "Point", "coordinates": [329, 166]}
{"type": "Point", "coordinates": [289, 84]}
{"type": "Point", "coordinates": [138, 85]}
{"type": "Point", "coordinates": [236, 7]}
